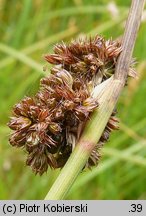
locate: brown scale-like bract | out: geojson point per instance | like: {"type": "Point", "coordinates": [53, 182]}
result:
{"type": "Point", "coordinates": [49, 125]}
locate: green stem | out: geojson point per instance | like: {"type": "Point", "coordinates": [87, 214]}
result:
{"type": "Point", "coordinates": [107, 98]}
{"type": "Point", "coordinates": [68, 174]}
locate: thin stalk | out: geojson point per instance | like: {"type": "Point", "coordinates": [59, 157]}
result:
{"type": "Point", "coordinates": [107, 98]}
{"type": "Point", "coordinates": [129, 39]}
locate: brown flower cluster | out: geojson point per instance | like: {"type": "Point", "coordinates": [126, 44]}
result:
{"type": "Point", "coordinates": [90, 59]}
{"type": "Point", "coordinates": [48, 125]}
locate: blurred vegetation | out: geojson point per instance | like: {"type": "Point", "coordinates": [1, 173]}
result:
{"type": "Point", "coordinates": [28, 29]}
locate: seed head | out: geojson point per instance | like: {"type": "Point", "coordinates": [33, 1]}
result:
{"type": "Point", "coordinates": [49, 125]}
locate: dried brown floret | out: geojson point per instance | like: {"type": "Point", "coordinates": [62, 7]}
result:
{"type": "Point", "coordinates": [39, 159]}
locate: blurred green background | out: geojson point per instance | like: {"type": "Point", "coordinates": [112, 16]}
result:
{"type": "Point", "coordinates": [28, 29]}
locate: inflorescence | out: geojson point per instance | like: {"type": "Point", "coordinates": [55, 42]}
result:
{"type": "Point", "coordinates": [49, 124]}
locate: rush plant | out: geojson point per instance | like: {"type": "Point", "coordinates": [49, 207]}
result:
{"type": "Point", "coordinates": [71, 116]}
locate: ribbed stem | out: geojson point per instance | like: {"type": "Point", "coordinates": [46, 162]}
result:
{"type": "Point", "coordinates": [107, 99]}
